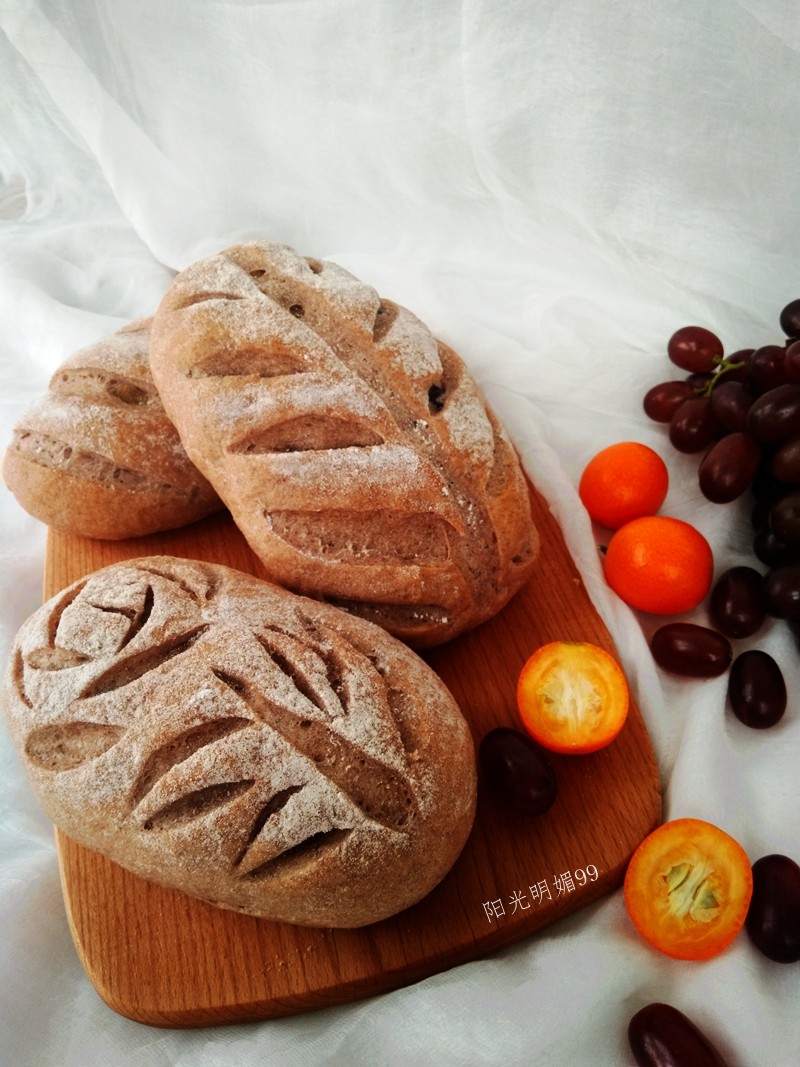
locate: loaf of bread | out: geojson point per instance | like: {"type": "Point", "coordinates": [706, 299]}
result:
{"type": "Point", "coordinates": [97, 455]}
{"type": "Point", "coordinates": [261, 751]}
{"type": "Point", "coordinates": [353, 449]}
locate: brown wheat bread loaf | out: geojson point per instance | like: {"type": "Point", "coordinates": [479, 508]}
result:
{"type": "Point", "coordinates": [353, 449]}
{"type": "Point", "coordinates": [261, 751]}
{"type": "Point", "coordinates": [97, 456]}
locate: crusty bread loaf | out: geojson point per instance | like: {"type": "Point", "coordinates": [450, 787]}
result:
{"type": "Point", "coordinates": [354, 451]}
{"type": "Point", "coordinates": [259, 750]}
{"type": "Point", "coordinates": [97, 455]}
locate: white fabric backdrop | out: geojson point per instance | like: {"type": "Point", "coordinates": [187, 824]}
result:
{"type": "Point", "coordinates": [554, 187]}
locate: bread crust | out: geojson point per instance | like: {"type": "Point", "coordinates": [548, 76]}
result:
{"type": "Point", "coordinates": [353, 449]}
{"type": "Point", "coordinates": [97, 455]}
{"type": "Point", "coordinates": [261, 751]}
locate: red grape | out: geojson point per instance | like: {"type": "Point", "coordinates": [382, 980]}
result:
{"type": "Point", "coordinates": [767, 368]}
{"type": "Point", "coordinates": [730, 402]}
{"type": "Point", "coordinates": [661, 1036]}
{"type": "Point", "coordinates": [769, 548]}
{"type": "Point", "coordinates": [738, 365]}
{"type": "Point", "coordinates": [693, 427]}
{"type": "Point", "coordinates": [784, 518]}
{"type": "Point", "coordinates": [786, 461]}
{"type": "Point", "coordinates": [775, 415]}
{"type": "Point", "coordinates": [661, 402]}
{"type": "Point", "coordinates": [791, 361]}
{"type": "Point", "coordinates": [756, 689]}
{"type": "Point", "coordinates": [699, 381]}
{"type": "Point", "coordinates": [728, 468]}
{"type": "Point", "coordinates": [781, 587]}
{"type": "Point", "coordinates": [773, 916]}
{"type": "Point", "coordinates": [691, 650]}
{"type": "Point", "coordinates": [790, 319]}
{"type": "Point", "coordinates": [694, 348]}
{"type": "Point", "coordinates": [736, 606]}
{"type": "Point", "coordinates": [518, 770]}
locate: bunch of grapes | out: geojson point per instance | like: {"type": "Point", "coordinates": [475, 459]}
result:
{"type": "Point", "coordinates": [742, 412]}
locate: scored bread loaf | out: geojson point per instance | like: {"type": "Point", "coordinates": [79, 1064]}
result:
{"type": "Point", "coordinates": [352, 448]}
{"type": "Point", "coordinates": [218, 734]}
{"type": "Point", "coordinates": [97, 455]}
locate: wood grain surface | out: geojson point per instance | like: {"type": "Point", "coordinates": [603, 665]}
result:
{"type": "Point", "coordinates": [160, 957]}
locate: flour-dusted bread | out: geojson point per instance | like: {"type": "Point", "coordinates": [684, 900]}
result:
{"type": "Point", "coordinates": [97, 456]}
{"type": "Point", "coordinates": [353, 449]}
{"type": "Point", "coordinates": [262, 751]}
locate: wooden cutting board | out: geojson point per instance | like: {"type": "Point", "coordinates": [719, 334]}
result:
{"type": "Point", "coordinates": [160, 957]}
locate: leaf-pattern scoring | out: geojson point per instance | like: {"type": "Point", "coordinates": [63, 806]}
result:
{"type": "Point", "coordinates": [134, 667]}
{"type": "Point", "coordinates": [272, 807]}
{"type": "Point", "coordinates": [197, 804]}
{"type": "Point", "coordinates": [381, 793]}
{"type": "Point", "coordinates": [63, 747]}
{"type": "Point", "coordinates": [344, 435]}
{"type": "Point", "coordinates": [180, 748]}
{"type": "Point", "coordinates": [54, 659]}
{"type": "Point", "coordinates": [316, 843]}
{"type": "Point", "coordinates": [235, 738]}
{"type": "Point", "coordinates": [175, 784]}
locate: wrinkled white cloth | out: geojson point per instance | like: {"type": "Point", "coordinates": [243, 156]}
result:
{"type": "Point", "coordinates": [554, 187]}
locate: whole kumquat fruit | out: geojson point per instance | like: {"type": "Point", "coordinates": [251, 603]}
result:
{"type": "Point", "coordinates": [659, 564]}
{"type": "Point", "coordinates": [623, 482]}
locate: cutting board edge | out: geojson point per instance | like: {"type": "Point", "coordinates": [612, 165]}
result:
{"type": "Point", "coordinates": [265, 1009]}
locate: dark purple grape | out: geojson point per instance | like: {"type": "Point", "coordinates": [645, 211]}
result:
{"type": "Point", "coordinates": [694, 348]}
{"type": "Point", "coordinates": [699, 380]}
{"type": "Point", "coordinates": [790, 319]}
{"type": "Point", "coordinates": [766, 368]}
{"type": "Point", "coordinates": [773, 917]}
{"type": "Point", "coordinates": [773, 552]}
{"type": "Point", "coordinates": [775, 415]}
{"type": "Point", "coordinates": [729, 467]}
{"type": "Point", "coordinates": [735, 605]}
{"type": "Point", "coordinates": [518, 770]}
{"type": "Point", "coordinates": [738, 369]}
{"type": "Point", "coordinates": [730, 402]}
{"type": "Point", "coordinates": [781, 589]}
{"type": "Point", "coordinates": [693, 427]}
{"type": "Point", "coordinates": [691, 650]}
{"type": "Point", "coordinates": [784, 518]}
{"type": "Point", "coordinates": [756, 689]}
{"type": "Point", "coordinates": [785, 463]}
{"type": "Point", "coordinates": [661, 1036]}
{"type": "Point", "coordinates": [661, 402]}
{"type": "Point", "coordinates": [791, 361]}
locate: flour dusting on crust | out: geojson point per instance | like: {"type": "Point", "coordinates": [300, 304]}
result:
{"type": "Point", "coordinates": [308, 401]}
{"type": "Point", "coordinates": [215, 733]}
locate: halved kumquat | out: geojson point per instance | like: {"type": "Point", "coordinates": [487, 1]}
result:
{"type": "Point", "coordinates": [688, 888]}
{"type": "Point", "coordinates": [572, 697]}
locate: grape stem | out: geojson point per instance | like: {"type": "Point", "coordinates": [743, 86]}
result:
{"type": "Point", "coordinates": [722, 368]}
